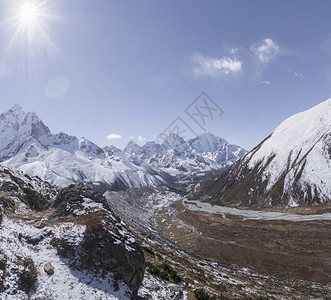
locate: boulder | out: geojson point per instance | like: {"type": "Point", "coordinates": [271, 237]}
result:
{"type": "Point", "coordinates": [40, 224]}
{"type": "Point", "coordinates": [8, 186]}
{"type": "Point", "coordinates": [48, 268]}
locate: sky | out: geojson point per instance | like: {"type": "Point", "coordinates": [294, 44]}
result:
{"type": "Point", "coordinates": [115, 71]}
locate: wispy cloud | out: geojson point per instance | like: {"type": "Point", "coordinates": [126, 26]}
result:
{"type": "Point", "coordinates": [265, 82]}
{"type": "Point", "coordinates": [296, 74]}
{"type": "Point", "coordinates": [265, 50]}
{"type": "Point", "coordinates": [141, 139]}
{"type": "Point", "coordinates": [233, 50]}
{"type": "Point", "coordinates": [204, 65]}
{"type": "Point", "coordinates": [114, 136]}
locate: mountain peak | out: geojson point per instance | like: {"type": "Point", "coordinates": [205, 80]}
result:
{"type": "Point", "coordinates": [174, 140]}
{"type": "Point", "coordinates": [16, 112]}
{"type": "Point", "coordinates": [207, 142]}
{"type": "Point", "coordinates": [291, 167]}
{"type": "Point", "coordinates": [16, 107]}
{"type": "Point", "coordinates": [133, 144]}
{"type": "Point", "coordinates": [18, 128]}
{"type": "Point", "coordinates": [207, 136]}
{"type": "Point", "coordinates": [132, 147]}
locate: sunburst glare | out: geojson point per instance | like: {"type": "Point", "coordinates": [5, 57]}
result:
{"type": "Point", "coordinates": [29, 21]}
{"type": "Point", "coordinates": [29, 13]}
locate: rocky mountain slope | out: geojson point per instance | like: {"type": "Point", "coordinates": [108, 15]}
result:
{"type": "Point", "coordinates": [69, 244]}
{"type": "Point", "coordinates": [291, 167]}
{"type": "Point", "coordinates": [173, 231]}
{"type": "Point", "coordinates": [59, 245]}
{"type": "Point", "coordinates": [28, 145]}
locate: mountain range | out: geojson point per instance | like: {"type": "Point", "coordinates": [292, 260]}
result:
{"type": "Point", "coordinates": [291, 167]}
{"type": "Point", "coordinates": [27, 144]}
{"type": "Point", "coordinates": [63, 240]}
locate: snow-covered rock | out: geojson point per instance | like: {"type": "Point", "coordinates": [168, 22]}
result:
{"type": "Point", "coordinates": [92, 253]}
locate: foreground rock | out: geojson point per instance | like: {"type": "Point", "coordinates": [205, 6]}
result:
{"type": "Point", "coordinates": [68, 234]}
{"type": "Point", "coordinates": [48, 268]}
{"type": "Point", "coordinates": [107, 245]}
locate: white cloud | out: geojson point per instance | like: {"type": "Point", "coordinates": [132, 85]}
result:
{"type": "Point", "coordinates": [141, 139]}
{"type": "Point", "coordinates": [132, 137]}
{"type": "Point", "coordinates": [266, 50]}
{"type": "Point", "coordinates": [233, 50]}
{"type": "Point", "coordinates": [266, 82]}
{"type": "Point", "coordinates": [215, 66]}
{"type": "Point", "coordinates": [300, 75]}
{"type": "Point", "coordinates": [114, 136]}
{"type": "Point", "coordinates": [296, 74]}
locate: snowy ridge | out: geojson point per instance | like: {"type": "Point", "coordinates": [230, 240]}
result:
{"type": "Point", "coordinates": [300, 144]}
{"type": "Point", "coordinates": [28, 145]}
{"type": "Point", "coordinates": [204, 153]}
{"type": "Point", "coordinates": [290, 167]}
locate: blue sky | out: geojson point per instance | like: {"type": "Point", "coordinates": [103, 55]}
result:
{"type": "Point", "coordinates": [128, 69]}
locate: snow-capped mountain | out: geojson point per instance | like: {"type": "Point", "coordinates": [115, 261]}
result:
{"type": "Point", "coordinates": [206, 152]}
{"type": "Point", "coordinates": [291, 167]}
{"type": "Point", "coordinates": [26, 143]}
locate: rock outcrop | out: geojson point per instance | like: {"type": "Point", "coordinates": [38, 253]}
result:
{"type": "Point", "coordinates": [91, 243]}
{"type": "Point", "coordinates": [107, 245]}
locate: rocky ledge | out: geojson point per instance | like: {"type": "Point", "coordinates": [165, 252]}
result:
{"type": "Point", "coordinates": [107, 244]}
{"type": "Point", "coordinates": [68, 238]}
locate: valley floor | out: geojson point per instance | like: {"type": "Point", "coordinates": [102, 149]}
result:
{"type": "Point", "coordinates": [291, 248]}
{"type": "Point", "coordinates": [303, 214]}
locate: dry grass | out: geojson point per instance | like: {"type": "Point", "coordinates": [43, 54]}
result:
{"type": "Point", "coordinates": [27, 278]}
{"type": "Point", "coordinates": [170, 228]}
{"type": "Point", "coordinates": [6, 201]}
{"type": "Point", "coordinates": [283, 249]}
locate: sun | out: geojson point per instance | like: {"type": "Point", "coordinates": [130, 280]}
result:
{"type": "Point", "coordinates": [29, 17]}
{"type": "Point", "coordinates": [28, 13]}
{"type": "Point", "coordinates": [29, 25]}
{"type": "Point", "coordinates": [30, 22]}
